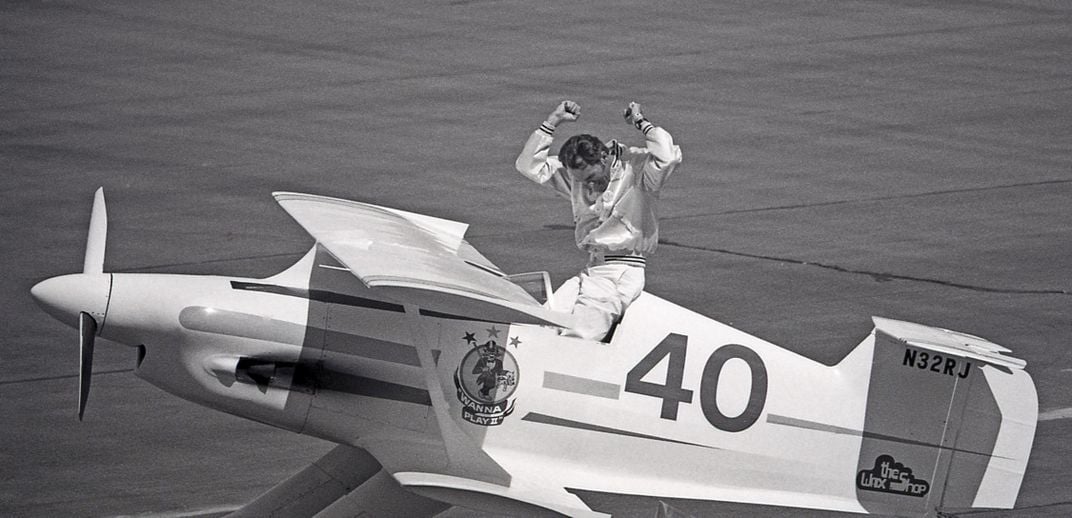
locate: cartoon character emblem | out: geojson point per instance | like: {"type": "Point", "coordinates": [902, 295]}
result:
{"type": "Point", "coordinates": [485, 379]}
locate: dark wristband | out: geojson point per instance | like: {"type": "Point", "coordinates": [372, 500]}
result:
{"type": "Point", "coordinates": [644, 125]}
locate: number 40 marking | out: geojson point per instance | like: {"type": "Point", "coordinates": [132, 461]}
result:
{"type": "Point", "coordinates": [673, 394]}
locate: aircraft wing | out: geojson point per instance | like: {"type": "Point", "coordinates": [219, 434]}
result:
{"type": "Point", "coordinates": [416, 259]}
{"type": "Point", "coordinates": [347, 481]}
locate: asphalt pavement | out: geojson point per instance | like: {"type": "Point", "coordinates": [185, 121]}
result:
{"type": "Point", "coordinates": [906, 159]}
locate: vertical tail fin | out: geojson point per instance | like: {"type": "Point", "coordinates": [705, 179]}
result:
{"type": "Point", "coordinates": [949, 425]}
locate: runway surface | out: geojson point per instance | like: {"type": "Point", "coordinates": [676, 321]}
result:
{"type": "Point", "coordinates": [906, 159]}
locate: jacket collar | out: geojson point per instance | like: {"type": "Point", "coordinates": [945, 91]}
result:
{"type": "Point", "coordinates": [615, 150]}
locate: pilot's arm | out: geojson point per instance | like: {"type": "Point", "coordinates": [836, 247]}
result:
{"type": "Point", "coordinates": [534, 162]}
{"type": "Point", "coordinates": [663, 155]}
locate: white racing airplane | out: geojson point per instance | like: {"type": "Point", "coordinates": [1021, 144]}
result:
{"type": "Point", "coordinates": [444, 383]}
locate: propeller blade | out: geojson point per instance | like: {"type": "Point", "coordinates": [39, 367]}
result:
{"type": "Point", "coordinates": [87, 330]}
{"type": "Point", "coordinates": [98, 235]}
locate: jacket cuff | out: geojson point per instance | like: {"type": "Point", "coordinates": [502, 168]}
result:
{"type": "Point", "coordinates": [547, 128]}
{"type": "Point", "coordinates": [644, 126]}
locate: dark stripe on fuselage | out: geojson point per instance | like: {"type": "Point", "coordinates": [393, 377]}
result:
{"type": "Point", "coordinates": [331, 297]}
{"type": "Point", "coordinates": [558, 421]}
{"type": "Point", "coordinates": [328, 297]}
{"type": "Point", "coordinates": [245, 325]}
{"type": "Point", "coordinates": [449, 316]}
{"type": "Point", "coordinates": [821, 427]}
{"type": "Point", "coordinates": [371, 348]}
{"type": "Point", "coordinates": [369, 387]}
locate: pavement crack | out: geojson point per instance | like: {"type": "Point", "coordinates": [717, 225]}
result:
{"type": "Point", "coordinates": [150, 268]}
{"type": "Point", "coordinates": [874, 199]}
{"type": "Point", "coordinates": [1016, 510]}
{"type": "Point", "coordinates": [877, 276]}
{"type": "Point", "coordinates": [61, 377]}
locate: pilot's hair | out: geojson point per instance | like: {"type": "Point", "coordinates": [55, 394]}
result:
{"type": "Point", "coordinates": [581, 151]}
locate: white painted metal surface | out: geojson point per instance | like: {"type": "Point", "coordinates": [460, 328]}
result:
{"type": "Point", "coordinates": [511, 417]}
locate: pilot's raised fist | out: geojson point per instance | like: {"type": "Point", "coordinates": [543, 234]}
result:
{"type": "Point", "coordinates": [566, 111]}
{"type": "Point", "coordinates": [633, 115]}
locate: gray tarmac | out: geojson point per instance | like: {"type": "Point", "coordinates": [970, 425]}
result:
{"type": "Point", "coordinates": [905, 159]}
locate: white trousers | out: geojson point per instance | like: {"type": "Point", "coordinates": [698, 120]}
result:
{"type": "Point", "coordinates": [598, 296]}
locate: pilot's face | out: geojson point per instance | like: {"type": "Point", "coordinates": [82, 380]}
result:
{"type": "Point", "coordinates": [594, 177]}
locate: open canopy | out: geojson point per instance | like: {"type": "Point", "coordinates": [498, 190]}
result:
{"type": "Point", "coordinates": [417, 260]}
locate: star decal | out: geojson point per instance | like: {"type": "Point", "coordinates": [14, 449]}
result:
{"type": "Point", "coordinates": [493, 332]}
{"type": "Point", "coordinates": [515, 341]}
{"type": "Point", "coordinates": [470, 337]}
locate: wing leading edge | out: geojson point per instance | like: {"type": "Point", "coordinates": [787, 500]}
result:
{"type": "Point", "coordinates": [415, 259]}
{"type": "Point", "coordinates": [347, 481]}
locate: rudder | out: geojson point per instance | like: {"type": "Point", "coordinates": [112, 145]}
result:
{"type": "Point", "coordinates": [949, 422]}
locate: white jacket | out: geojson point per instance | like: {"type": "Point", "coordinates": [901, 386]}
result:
{"type": "Point", "coordinates": [623, 220]}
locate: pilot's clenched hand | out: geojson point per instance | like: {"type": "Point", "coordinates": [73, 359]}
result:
{"type": "Point", "coordinates": [633, 115]}
{"type": "Point", "coordinates": [566, 111]}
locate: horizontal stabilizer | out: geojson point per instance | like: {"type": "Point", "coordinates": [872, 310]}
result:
{"type": "Point", "coordinates": [949, 342]}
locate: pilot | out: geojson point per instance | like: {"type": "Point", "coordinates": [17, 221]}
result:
{"type": "Point", "coordinates": [614, 190]}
